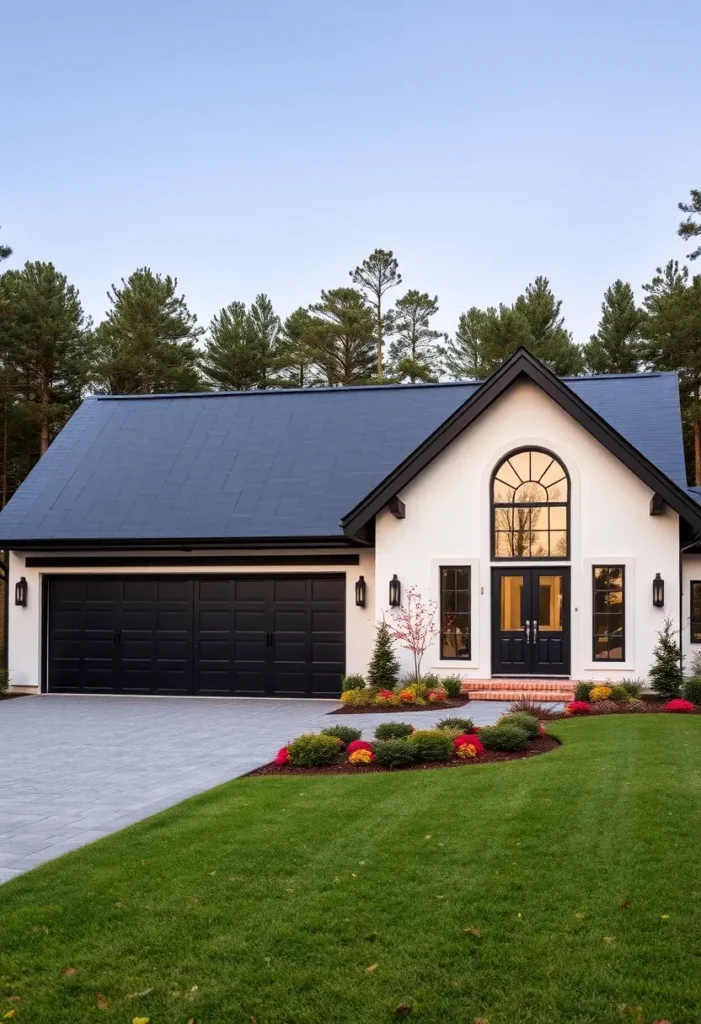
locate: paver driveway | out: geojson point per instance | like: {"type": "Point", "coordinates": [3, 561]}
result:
{"type": "Point", "coordinates": [75, 769]}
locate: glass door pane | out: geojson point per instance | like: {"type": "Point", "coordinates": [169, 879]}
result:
{"type": "Point", "coordinates": [511, 607]}
{"type": "Point", "coordinates": [550, 604]}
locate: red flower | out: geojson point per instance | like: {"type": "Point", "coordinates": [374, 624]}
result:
{"type": "Point", "coordinates": [282, 756]}
{"type": "Point", "coordinates": [436, 695]}
{"type": "Point", "coordinates": [684, 706]}
{"type": "Point", "coordinates": [542, 730]}
{"type": "Point", "coordinates": [469, 737]}
{"type": "Point", "coordinates": [384, 695]}
{"type": "Point", "coordinates": [578, 707]}
{"type": "Point", "coordinates": [358, 745]}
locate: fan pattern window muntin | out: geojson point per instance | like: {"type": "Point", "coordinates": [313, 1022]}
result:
{"type": "Point", "coordinates": [530, 506]}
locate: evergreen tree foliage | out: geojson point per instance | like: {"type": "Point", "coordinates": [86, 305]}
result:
{"type": "Point", "coordinates": [690, 228]}
{"type": "Point", "coordinates": [666, 673]}
{"type": "Point", "coordinates": [233, 358]}
{"type": "Point", "coordinates": [44, 350]}
{"type": "Point", "coordinates": [293, 366]}
{"type": "Point", "coordinates": [463, 356]}
{"type": "Point", "coordinates": [551, 341]}
{"type": "Point", "coordinates": [671, 327]}
{"type": "Point", "coordinates": [375, 276]}
{"type": "Point", "coordinates": [413, 353]}
{"type": "Point", "coordinates": [341, 337]}
{"type": "Point", "coordinates": [383, 670]}
{"type": "Point", "coordinates": [264, 329]}
{"type": "Point", "coordinates": [5, 252]}
{"type": "Point", "coordinates": [616, 346]}
{"type": "Point", "coordinates": [147, 342]}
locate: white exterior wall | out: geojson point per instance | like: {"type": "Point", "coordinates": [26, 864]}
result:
{"type": "Point", "coordinates": [25, 627]}
{"type": "Point", "coordinates": [448, 522]}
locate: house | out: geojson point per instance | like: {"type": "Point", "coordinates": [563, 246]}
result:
{"type": "Point", "coordinates": [245, 544]}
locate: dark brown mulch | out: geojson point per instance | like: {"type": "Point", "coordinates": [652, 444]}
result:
{"type": "Point", "coordinates": [540, 745]}
{"type": "Point", "coordinates": [374, 709]}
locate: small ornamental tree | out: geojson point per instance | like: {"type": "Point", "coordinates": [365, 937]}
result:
{"type": "Point", "coordinates": [383, 671]}
{"type": "Point", "coordinates": [415, 626]}
{"type": "Point", "coordinates": [666, 673]}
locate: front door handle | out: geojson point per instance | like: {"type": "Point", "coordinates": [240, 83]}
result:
{"type": "Point", "coordinates": [528, 631]}
{"type": "Point", "coordinates": [535, 630]}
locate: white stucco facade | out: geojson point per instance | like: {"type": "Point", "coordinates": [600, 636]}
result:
{"type": "Point", "coordinates": [447, 523]}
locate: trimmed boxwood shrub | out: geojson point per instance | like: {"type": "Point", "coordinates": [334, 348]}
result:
{"type": "Point", "coordinates": [619, 692]}
{"type": "Point", "coordinates": [354, 682]}
{"type": "Point", "coordinates": [432, 745]}
{"type": "Point", "coordinates": [583, 690]}
{"type": "Point", "coordinates": [503, 737]}
{"type": "Point", "coordinates": [461, 724]}
{"type": "Point", "coordinates": [342, 732]}
{"type": "Point", "coordinates": [452, 685]}
{"type": "Point", "coordinates": [528, 723]}
{"type": "Point", "coordinates": [692, 689]}
{"type": "Point", "coordinates": [393, 731]}
{"type": "Point", "coordinates": [395, 753]}
{"type": "Point", "coordinates": [313, 750]}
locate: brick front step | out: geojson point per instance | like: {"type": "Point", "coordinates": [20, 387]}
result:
{"type": "Point", "coordinates": [514, 689]}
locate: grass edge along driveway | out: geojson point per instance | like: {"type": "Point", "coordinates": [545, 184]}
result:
{"type": "Point", "coordinates": [565, 888]}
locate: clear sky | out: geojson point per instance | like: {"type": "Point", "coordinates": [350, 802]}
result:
{"type": "Point", "coordinates": [270, 145]}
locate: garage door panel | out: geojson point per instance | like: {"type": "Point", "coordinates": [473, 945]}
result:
{"type": "Point", "coordinates": [251, 636]}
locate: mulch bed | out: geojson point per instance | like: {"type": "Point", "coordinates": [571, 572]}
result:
{"type": "Point", "coordinates": [374, 709]}
{"type": "Point", "coordinates": [650, 707]}
{"type": "Point", "coordinates": [540, 745]}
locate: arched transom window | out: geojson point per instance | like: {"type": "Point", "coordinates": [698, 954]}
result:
{"type": "Point", "coordinates": [530, 495]}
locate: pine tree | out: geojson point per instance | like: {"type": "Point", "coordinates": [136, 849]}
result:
{"type": "Point", "coordinates": [293, 366]}
{"type": "Point", "coordinates": [340, 338]}
{"type": "Point", "coordinates": [147, 342]}
{"type": "Point", "coordinates": [264, 331]}
{"type": "Point", "coordinates": [383, 670]}
{"type": "Point", "coordinates": [5, 252]}
{"type": "Point", "coordinates": [616, 346]}
{"type": "Point", "coordinates": [44, 350]}
{"type": "Point", "coordinates": [666, 672]}
{"type": "Point", "coordinates": [690, 228]}
{"type": "Point", "coordinates": [463, 356]}
{"type": "Point", "coordinates": [233, 357]}
{"type": "Point", "coordinates": [375, 276]}
{"type": "Point", "coordinates": [413, 353]}
{"type": "Point", "coordinates": [551, 342]}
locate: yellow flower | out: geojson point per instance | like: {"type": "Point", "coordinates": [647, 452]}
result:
{"type": "Point", "coordinates": [361, 757]}
{"type": "Point", "coordinates": [466, 751]}
{"type": "Point", "coordinates": [600, 693]}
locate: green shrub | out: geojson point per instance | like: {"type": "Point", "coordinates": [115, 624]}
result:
{"type": "Point", "coordinates": [355, 682]}
{"type": "Point", "coordinates": [343, 732]}
{"type": "Point", "coordinates": [633, 687]}
{"type": "Point", "coordinates": [356, 698]}
{"type": "Point", "coordinates": [4, 680]}
{"type": "Point", "coordinates": [666, 671]}
{"type": "Point", "coordinates": [619, 692]}
{"type": "Point", "coordinates": [312, 750]}
{"type": "Point", "coordinates": [383, 670]}
{"type": "Point", "coordinates": [692, 689]}
{"type": "Point", "coordinates": [395, 753]}
{"type": "Point", "coordinates": [452, 685]}
{"type": "Point", "coordinates": [528, 723]}
{"type": "Point", "coordinates": [393, 731]}
{"type": "Point", "coordinates": [431, 681]}
{"type": "Point", "coordinates": [583, 690]}
{"type": "Point", "coordinates": [432, 744]}
{"type": "Point", "coordinates": [464, 725]}
{"type": "Point", "coordinates": [503, 737]}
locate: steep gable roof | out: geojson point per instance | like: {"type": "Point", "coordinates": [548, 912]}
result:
{"type": "Point", "coordinates": [275, 466]}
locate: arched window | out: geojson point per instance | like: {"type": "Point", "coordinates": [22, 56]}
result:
{"type": "Point", "coordinates": [530, 513]}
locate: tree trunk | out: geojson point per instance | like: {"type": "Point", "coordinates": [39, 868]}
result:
{"type": "Point", "coordinates": [44, 428]}
{"type": "Point", "coordinates": [697, 452]}
{"type": "Point", "coordinates": [379, 337]}
{"type": "Point", "coordinates": [4, 453]}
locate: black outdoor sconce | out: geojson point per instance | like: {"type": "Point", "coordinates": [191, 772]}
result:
{"type": "Point", "coordinates": [658, 591]}
{"type": "Point", "coordinates": [21, 592]}
{"type": "Point", "coordinates": [360, 592]}
{"type": "Point", "coordinates": [395, 592]}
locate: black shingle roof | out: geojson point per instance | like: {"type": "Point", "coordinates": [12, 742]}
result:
{"type": "Point", "coordinates": [270, 464]}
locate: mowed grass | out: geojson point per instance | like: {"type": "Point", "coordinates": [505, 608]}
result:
{"type": "Point", "coordinates": [560, 889]}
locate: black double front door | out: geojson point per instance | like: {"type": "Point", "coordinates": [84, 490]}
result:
{"type": "Point", "coordinates": [531, 622]}
{"type": "Point", "coordinates": [256, 636]}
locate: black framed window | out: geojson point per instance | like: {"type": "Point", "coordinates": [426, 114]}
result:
{"type": "Point", "coordinates": [609, 612]}
{"type": "Point", "coordinates": [455, 611]}
{"type": "Point", "coordinates": [530, 506]}
{"type": "Point", "coordinates": [695, 612]}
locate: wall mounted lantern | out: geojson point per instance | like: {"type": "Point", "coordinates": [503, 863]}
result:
{"type": "Point", "coordinates": [360, 592]}
{"type": "Point", "coordinates": [21, 592]}
{"type": "Point", "coordinates": [395, 592]}
{"type": "Point", "coordinates": [658, 591]}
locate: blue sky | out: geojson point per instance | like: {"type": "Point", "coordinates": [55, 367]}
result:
{"type": "Point", "coordinates": [269, 145]}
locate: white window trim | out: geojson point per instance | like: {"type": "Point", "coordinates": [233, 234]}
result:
{"type": "Point", "coordinates": [434, 652]}
{"type": "Point", "coordinates": [588, 662]}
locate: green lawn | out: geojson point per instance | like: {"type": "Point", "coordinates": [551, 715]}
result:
{"type": "Point", "coordinates": [271, 898]}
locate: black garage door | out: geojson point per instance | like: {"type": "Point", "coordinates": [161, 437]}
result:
{"type": "Point", "coordinates": [256, 636]}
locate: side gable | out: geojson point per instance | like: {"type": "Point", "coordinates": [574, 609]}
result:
{"type": "Point", "coordinates": [357, 524]}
